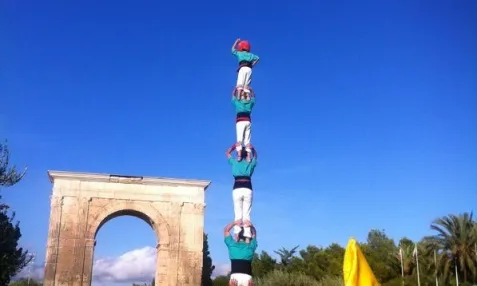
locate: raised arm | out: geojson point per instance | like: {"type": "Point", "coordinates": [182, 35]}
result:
{"type": "Point", "coordinates": [254, 231]}
{"type": "Point", "coordinates": [235, 44]}
{"type": "Point", "coordinates": [229, 226]}
{"type": "Point", "coordinates": [234, 92]}
{"type": "Point", "coordinates": [252, 93]}
{"type": "Point", "coordinates": [252, 228]}
{"type": "Point", "coordinates": [229, 151]}
{"type": "Point", "coordinates": [255, 154]}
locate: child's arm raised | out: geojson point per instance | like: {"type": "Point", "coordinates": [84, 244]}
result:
{"type": "Point", "coordinates": [234, 93]}
{"type": "Point", "coordinates": [235, 44]}
{"type": "Point", "coordinates": [228, 153]}
{"type": "Point", "coordinates": [252, 93]}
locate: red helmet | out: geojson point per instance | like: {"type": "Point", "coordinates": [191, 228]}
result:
{"type": "Point", "coordinates": [244, 46]}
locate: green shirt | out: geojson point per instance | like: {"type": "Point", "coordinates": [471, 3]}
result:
{"type": "Point", "coordinates": [240, 250]}
{"type": "Point", "coordinates": [242, 168]}
{"type": "Point", "coordinates": [244, 56]}
{"type": "Point", "coordinates": [243, 105]}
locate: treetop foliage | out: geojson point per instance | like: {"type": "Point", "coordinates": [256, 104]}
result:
{"type": "Point", "coordinates": [452, 244]}
{"type": "Point", "coordinates": [12, 257]}
{"type": "Point", "coordinates": [9, 175]}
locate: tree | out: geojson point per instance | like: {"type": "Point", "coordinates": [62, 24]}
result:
{"type": "Point", "coordinates": [207, 266]}
{"type": "Point", "coordinates": [380, 252]}
{"type": "Point", "coordinates": [456, 240]}
{"type": "Point", "coordinates": [456, 237]}
{"type": "Point", "coordinates": [221, 280]}
{"type": "Point", "coordinates": [263, 264]}
{"type": "Point", "coordinates": [406, 246]}
{"type": "Point", "coordinates": [286, 255]}
{"type": "Point", "coordinates": [9, 175]}
{"type": "Point", "coordinates": [319, 262]}
{"type": "Point", "coordinates": [12, 257]}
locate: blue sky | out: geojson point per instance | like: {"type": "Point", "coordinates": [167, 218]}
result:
{"type": "Point", "coordinates": [366, 113]}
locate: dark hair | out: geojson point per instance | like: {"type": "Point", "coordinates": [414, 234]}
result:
{"type": "Point", "coordinates": [240, 234]}
{"type": "Point", "coordinates": [243, 153]}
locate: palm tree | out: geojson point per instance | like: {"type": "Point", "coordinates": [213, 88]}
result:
{"type": "Point", "coordinates": [455, 240]}
{"type": "Point", "coordinates": [286, 255]}
{"type": "Point", "coordinates": [408, 263]}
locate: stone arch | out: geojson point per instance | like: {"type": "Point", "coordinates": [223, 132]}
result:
{"type": "Point", "coordinates": [81, 203]}
{"type": "Point", "coordinates": [141, 210]}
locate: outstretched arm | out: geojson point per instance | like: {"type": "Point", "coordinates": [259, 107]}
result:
{"type": "Point", "coordinates": [235, 44]}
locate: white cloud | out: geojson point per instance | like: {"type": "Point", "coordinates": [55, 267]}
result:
{"type": "Point", "coordinates": [34, 271]}
{"type": "Point", "coordinates": [138, 265]}
{"type": "Point", "coordinates": [133, 266]}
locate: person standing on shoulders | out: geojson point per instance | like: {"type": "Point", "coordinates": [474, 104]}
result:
{"type": "Point", "coordinates": [243, 122]}
{"type": "Point", "coordinates": [242, 193]}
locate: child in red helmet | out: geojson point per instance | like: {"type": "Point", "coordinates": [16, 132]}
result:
{"type": "Point", "coordinates": [247, 60]}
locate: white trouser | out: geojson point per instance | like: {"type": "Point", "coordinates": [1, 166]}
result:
{"type": "Point", "coordinates": [244, 134]}
{"type": "Point", "coordinates": [244, 78]}
{"type": "Point", "coordinates": [242, 198]}
{"type": "Point", "coordinates": [242, 279]}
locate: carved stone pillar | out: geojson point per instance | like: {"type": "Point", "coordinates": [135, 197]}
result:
{"type": "Point", "coordinates": [81, 240]}
{"type": "Point", "coordinates": [53, 240]}
{"type": "Point", "coordinates": [190, 257]}
{"type": "Point", "coordinates": [197, 255]}
{"type": "Point", "coordinates": [88, 261]}
{"type": "Point", "coordinates": [163, 265]}
{"type": "Point", "coordinates": [175, 243]}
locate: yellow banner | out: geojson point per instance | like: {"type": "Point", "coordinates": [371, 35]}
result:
{"type": "Point", "coordinates": [356, 270]}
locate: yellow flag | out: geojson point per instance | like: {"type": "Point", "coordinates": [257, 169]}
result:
{"type": "Point", "coordinates": [356, 271]}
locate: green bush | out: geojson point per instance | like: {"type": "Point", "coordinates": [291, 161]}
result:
{"type": "Point", "coordinates": [332, 281]}
{"type": "Point", "coordinates": [281, 278]}
{"type": "Point", "coordinates": [412, 280]}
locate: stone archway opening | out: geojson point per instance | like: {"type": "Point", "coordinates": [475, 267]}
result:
{"type": "Point", "coordinates": [81, 203]}
{"type": "Point", "coordinates": [125, 249]}
{"type": "Point", "coordinates": [126, 212]}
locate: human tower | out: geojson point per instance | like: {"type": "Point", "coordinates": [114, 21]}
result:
{"type": "Point", "coordinates": [242, 244]}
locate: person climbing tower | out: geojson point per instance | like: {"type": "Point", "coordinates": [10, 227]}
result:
{"type": "Point", "coordinates": [242, 193]}
{"type": "Point", "coordinates": [241, 252]}
{"type": "Point", "coordinates": [243, 123]}
{"type": "Point", "coordinates": [246, 60]}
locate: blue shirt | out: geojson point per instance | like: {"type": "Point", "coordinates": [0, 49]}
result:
{"type": "Point", "coordinates": [244, 56]}
{"type": "Point", "coordinates": [241, 249]}
{"type": "Point", "coordinates": [243, 105]}
{"type": "Point", "coordinates": [242, 168]}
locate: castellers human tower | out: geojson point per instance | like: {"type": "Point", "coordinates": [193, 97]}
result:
{"type": "Point", "coordinates": [242, 243]}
